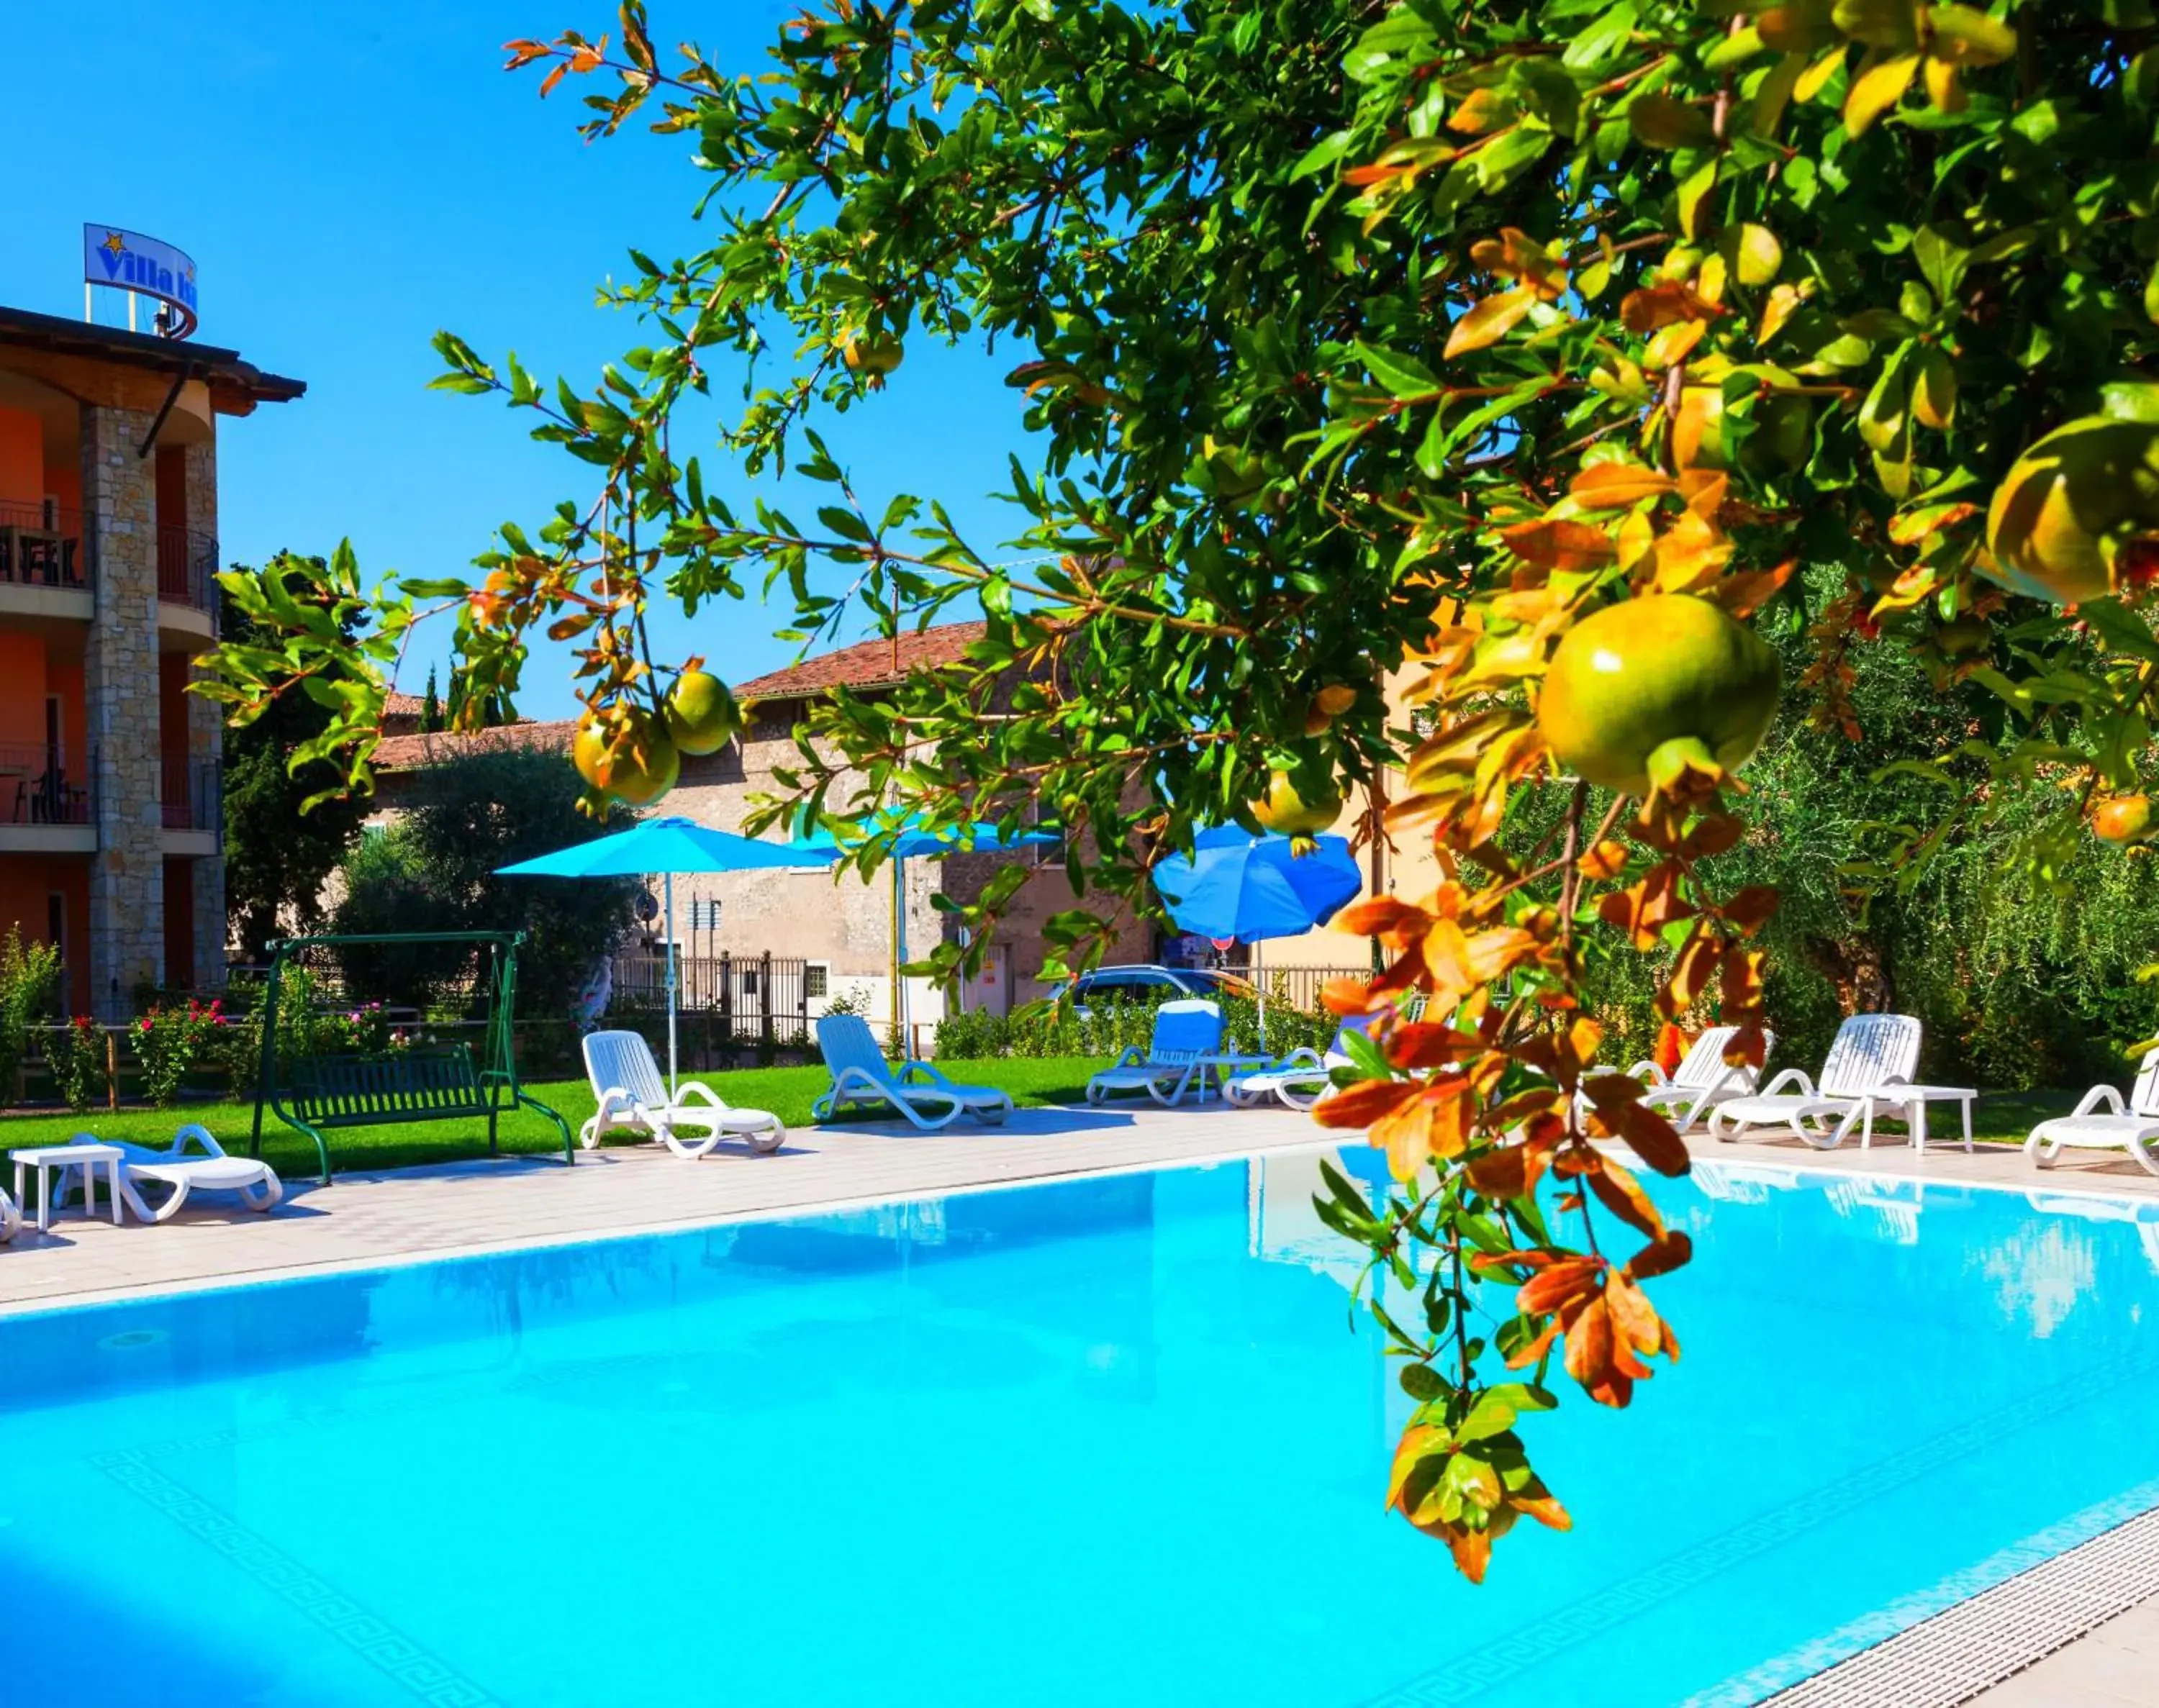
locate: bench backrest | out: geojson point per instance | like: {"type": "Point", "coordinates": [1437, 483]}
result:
{"type": "Point", "coordinates": [622, 1061]}
{"type": "Point", "coordinates": [1869, 1050]}
{"type": "Point", "coordinates": [409, 1085]}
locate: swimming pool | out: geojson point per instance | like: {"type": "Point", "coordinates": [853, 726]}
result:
{"type": "Point", "coordinates": [1105, 1441]}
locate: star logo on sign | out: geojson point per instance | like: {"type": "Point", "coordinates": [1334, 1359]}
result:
{"type": "Point", "coordinates": [115, 242]}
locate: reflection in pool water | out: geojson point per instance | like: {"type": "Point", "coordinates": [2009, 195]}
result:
{"type": "Point", "coordinates": [1104, 1440]}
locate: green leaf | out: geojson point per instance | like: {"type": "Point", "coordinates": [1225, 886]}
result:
{"type": "Point", "coordinates": [1403, 375]}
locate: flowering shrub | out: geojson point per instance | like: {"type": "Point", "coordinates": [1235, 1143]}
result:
{"type": "Point", "coordinates": [168, 1041]}
{"type": "Point", "coordinates": [77, 1052]}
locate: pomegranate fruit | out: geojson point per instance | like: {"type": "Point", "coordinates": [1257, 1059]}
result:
{"type": "Point", "coordinates": [1638, 689]}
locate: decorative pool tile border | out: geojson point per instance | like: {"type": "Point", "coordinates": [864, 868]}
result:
{"type": "Point", "coordinates": [402, 1659]}
{"type": "Point", "coordinates": [1470, 1678]}
{"type": "Point", "coordinates": [1989, 1637]}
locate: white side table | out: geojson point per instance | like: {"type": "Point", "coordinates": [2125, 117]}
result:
{"type": "Point", "coordinates": [1914, 1101]}
{"type": "Point", "coordinates": [51, 1159]}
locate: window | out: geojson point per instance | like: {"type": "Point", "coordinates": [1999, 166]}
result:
{"type": "Point", "coordinates": [816, 980]}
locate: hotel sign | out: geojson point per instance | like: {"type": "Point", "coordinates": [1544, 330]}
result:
{"type": "Point", "coordinates": [126, 260]}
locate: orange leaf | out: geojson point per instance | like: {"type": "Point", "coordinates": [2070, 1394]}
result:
{"type": "Point", "coordinates": [1424, 1044]}
{"type": "Point", "coordinates": [1749, 907]}
{"type": "Point", "coordinates": [1509, 1172]}
{"type": "Point", "coordinates": [1368, 1101]}
{"type": "Point", "coordinates": [1661, 1256]}
{"type": "Point", "coordinates": [1622, 1193]}
{"type": "Point", "coordinates": [1745, 593]}
{"type": "Point", "coordinates": [1589, 1348]}
{"type": "Point", "coordinates": [1608, 859]}
{"type": "Point", "coordinates": [1433, 1123]}
{"type": "Point", "coordinates": [1551, 1289]}
{"type": "Point", "coordinates": [1692, 969]}
{"type": "Point", "coordinates": [1489, 321]}
{"type": "Point", "coordinates": [1568, 547]}
{"type": "Point", "coordinates": [1652, 1138]}
{"type": "Point", "coordinates": [1611, 486]}
{"type": "Point", "coordinates": [1381, 916]}
{"type": "Point", "coordinates": [1654, 306]}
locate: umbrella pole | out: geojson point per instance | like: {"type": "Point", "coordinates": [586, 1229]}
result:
{"type": "Point", "coordinates": [1259, 978]}
{"type": "Point", "coordinates": [669, 885]}
{"type": "Point", "coordinates": [899, 957]}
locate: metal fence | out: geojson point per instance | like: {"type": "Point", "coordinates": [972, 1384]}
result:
{"type": "Point", "coordinates": [1298, 986]}
{"type": "Point", "coordinates": [44, 784]}
{"type": "Point", "coordinates": [43, 545]}
{"type": "Point", "coordinates": [188, 794]}
{"type": "Point", "coordinates": [738, 1001]}
{"type": "Point", "coordinates": [187, 569]}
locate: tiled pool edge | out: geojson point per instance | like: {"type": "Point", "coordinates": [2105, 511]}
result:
{"type": "Point", "coordinates": [1957, 1655]}
{"type": "Point", "coordinates": [278, 1274]}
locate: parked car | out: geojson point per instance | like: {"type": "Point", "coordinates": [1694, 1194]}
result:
{"type": "Point", "coordinates": [1107, 985]}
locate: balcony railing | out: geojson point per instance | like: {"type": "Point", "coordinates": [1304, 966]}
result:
{"type": "Point", "coordinates": [44, 545]}
{"type": "Point", "coordinates": [187, 569]}
{"type": "Point", "coordinates": [188, 794]}
{"type": "Point", "coordinates": [42, 785]}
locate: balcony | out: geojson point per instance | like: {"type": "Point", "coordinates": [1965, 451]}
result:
{"type": "Point", "coordinates": [46, 805]}
{"type": "Point", "coordinates": [41, 545]}
{"type": "Point", "coordinates": [47, 567]}
{"type": "Point", "coordinates": [187, 586]}
{"type": "Point", "coordinates": [190, 804]}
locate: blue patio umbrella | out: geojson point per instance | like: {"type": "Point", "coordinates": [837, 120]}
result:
{"type": "Point", "coordinates": [668, 846]}
{"type": "Point", "coordinates": [914, 838]}
{"type": "Point", "coordinates": [1234, 884]}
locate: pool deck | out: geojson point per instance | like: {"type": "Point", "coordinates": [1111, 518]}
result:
{"type": "Point", "coordinates": [369, 1221]}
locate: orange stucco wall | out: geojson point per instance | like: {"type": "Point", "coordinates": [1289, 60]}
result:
{"type": "Point", "coordinates": [21, 457]}
{"type": "Point", "coordinates": [21, 689]}
{"type": "Point", "coordinates": [27, 882]}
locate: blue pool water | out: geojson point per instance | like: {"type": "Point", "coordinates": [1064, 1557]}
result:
{"type": "Point", "coordinates": [1106, 1442]}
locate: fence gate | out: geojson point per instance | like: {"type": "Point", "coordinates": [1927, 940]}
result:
{"type": "Point", "coordinates": [728, 1003]}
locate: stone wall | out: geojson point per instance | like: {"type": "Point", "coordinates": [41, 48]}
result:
{"type": "Point", "coordinates": [206, 741]}
{"type": "Point", "coordinates": [120, 693]}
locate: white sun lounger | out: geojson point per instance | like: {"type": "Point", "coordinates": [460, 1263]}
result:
{"type": "Point", "coordinates": [194, 1162]}
{"type": "Point", "coordinates": [1703, 1079]}
{"type": "Point", "coordinates": [2100, 1122]}
{"type": "Point", "coordinates": [1301, 1078]}
{"type": "Point", "coordinates": [862, 1075]}
{"type": "Point", "coordinates": [631, 1093]}
{"type": "Point", "coordinates": [1871, 1055]}
{"type": "Point", "coordinates": [11, 1219]}
{"type": "Point", "coordinates": [1187, 1037]}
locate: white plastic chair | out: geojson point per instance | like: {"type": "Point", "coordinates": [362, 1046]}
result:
{"type": "Point", "coordinates": [1702, 1081]}
{"type": "Point", "coordinates": [194, 1162]}
{"type": "Point", "coordinates": [1188, 1035]}
{"type": "Point", "coordinates": [626, 1080]}
{"type": "Point", "coordinates": [1871, 1053]}
{"type": "Point", "coordinates": [862, 1075]}
{"type": "Point", "coordinates": [11, 1219]}
{"type": "Point", "coordinates": [1301, 1078]}
{"type": "Point", "coordinates": [2100, 1122]}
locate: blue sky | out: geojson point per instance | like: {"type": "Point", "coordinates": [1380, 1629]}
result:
{"type": "Point", "coordinates": [348, 179]}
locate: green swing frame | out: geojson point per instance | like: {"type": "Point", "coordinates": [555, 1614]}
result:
{"type": "Point", "coordinates": [318, 1093]}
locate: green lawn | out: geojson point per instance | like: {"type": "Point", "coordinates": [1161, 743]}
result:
{"type": "Point", "coordinates": [787, 1092]}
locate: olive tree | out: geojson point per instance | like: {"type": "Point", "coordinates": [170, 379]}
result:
{"type": "Point", "coordinates": [1358, 338]}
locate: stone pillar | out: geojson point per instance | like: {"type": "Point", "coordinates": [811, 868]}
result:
{"type": "Point", "coordinates": [206, 735]}
{"type": "Point", "coordinates": [120, 694]}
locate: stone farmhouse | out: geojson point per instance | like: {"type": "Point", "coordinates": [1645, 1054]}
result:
{"type": "Point", "coordinates": [839, 926]}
